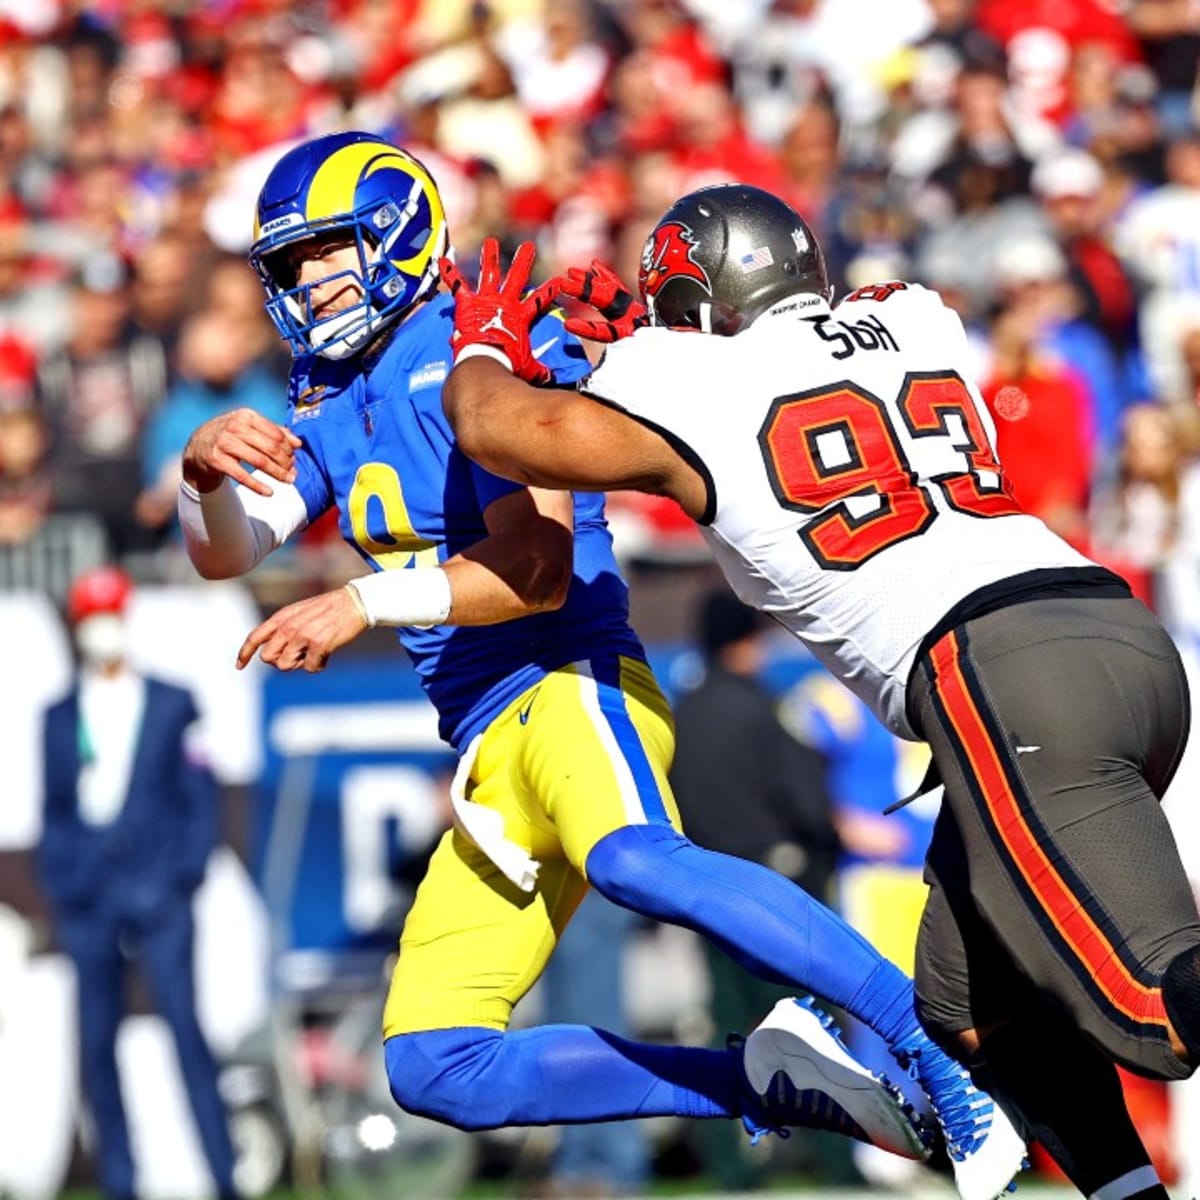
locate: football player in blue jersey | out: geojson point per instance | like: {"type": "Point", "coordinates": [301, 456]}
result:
{"type": "Point", "coordinates": [511, 606]}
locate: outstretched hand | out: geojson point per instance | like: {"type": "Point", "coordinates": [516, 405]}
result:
{"type": "Point", "coordinates": [602, 288]}
{"type": "Point", "coordinates": [302, 636]}
{"type": "Point", "coordinates": [224, 443]}
{"type": "Point", "coordinates": [498, 315]}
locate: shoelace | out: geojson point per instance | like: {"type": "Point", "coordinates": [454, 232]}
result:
{"type": "Point", "coordinates": [963, 1111]}
{"type": "Point", "coordinates": [754, 1127]}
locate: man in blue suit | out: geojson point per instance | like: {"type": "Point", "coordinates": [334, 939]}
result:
{"type": "Point", "coordinates": [130, 820]}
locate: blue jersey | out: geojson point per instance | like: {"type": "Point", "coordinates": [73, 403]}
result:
{"type": "Point", "coordinates": [378, 446]}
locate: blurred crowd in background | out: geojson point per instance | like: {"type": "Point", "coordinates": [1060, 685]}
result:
{"type": "Point", "coordinates": [1038, 163]}
{"type": "Point", "coordinates": [1035, 161]}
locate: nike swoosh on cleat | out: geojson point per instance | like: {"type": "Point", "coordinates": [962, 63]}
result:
{"type": "Point", "coordinates": [538, 351]}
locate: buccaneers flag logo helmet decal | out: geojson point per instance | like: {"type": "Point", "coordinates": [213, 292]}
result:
{"type": "Point", "coordinates": [668, 255]}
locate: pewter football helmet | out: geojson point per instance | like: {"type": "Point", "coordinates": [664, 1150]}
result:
{"type": "Point", "coordinates": [721, 256]}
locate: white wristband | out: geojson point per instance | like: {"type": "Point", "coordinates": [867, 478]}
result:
{"type": "Point", "coordinates": [481, 350]}
{"type": "Point", "coordinates": [417, 596]}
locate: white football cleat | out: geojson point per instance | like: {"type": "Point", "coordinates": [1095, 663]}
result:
{"type": "Point", "coordinates": [985, 1148]}
{"type": "Point", "coordinates": [801, 1073]}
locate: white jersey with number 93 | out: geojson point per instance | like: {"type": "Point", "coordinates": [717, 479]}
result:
{"type": "Point", "coordinates": [854, 490]}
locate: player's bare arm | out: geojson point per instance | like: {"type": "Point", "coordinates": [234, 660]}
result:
{"type": "Point", "coordinates": [546, 437]}
{"type": "Point", "coordinates": [553, 438]}
{"type": "Point", "coordinates": [219, 448]}
{"type": "Point", "coordinates": [523, 566]}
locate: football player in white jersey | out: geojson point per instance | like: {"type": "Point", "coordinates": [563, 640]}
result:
{"type": "Point", "coordinates": [841, 464]}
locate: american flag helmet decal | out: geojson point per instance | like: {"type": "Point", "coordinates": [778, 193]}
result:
{"type": "Point", "coordinates": [756, 260]}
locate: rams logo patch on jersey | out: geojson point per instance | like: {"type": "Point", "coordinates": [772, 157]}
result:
{"type": "Point", "coordinates": [430, 375]}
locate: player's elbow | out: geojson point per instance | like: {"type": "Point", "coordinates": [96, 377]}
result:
{"type": "Point", "coordinates": [468, 432]}
{"type": "Point", "coordinates": [557, 596]}
{"type": "Point", "coordinates": [552, 561]}
{"type": "Point", "coordinates": [548, 579]}
{"type": "Point", "coordinates": [214, 571]}
{"type": "Point", "coordinates": [452, 400]}
{"type": "Point", "coordinates": [213, 561]}
{"type": "Point", "coordinates": [209, 566]}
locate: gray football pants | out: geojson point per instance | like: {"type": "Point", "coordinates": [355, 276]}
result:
{"type": "Point", "coordinates": [1056, 725]}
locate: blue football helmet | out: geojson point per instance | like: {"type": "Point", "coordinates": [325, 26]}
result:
{"type": "Point", "coordinates": [362, 186]}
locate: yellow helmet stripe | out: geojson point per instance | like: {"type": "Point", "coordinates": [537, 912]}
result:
{"type": "Point", "coordinates": [433, 245]}
{"type": "Point", "coordinates": [331, 192]}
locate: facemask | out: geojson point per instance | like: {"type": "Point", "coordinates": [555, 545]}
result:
{"type": "Point", "coordinates": [101, 639]}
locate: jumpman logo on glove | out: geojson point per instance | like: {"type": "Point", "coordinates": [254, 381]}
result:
{"type": "Point", "coordinates": [497, 316]}
{"type": "Point", "coordinates": [497, 323]}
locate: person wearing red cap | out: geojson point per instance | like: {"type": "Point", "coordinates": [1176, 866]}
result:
{"type": "Point", "coordinates": [96, 607]}
{"type": "Point", "coordinates": [130, 820]}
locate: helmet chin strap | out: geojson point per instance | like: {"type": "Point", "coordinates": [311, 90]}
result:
{"type": "Point", "coordinates": [342, 334]}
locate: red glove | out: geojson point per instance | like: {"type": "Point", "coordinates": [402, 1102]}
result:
{"type": "Point", "coordinates": [601, 287]}
{"type": "Point", "coordinates": [497, 315]}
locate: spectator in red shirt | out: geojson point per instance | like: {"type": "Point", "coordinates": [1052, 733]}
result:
{"type": "Point", "coordinates": [258, 100]}
{"type": "Point", "coordinates": [1043, 426]}
{"type": "Point", "coordinates": [714, 148]}
{"type": "Point", "coordinates": [678, 50]}
{"type": "Point", "coordinates": [810, 161]}
{"type": "Point", "coordinates": [380, 37]}
{"type": "Point", "coordinates": [1068, 186]}
{"type": "Point", "coordinates": [641, 120]}
{"type": "Point", "coordinates": [1041, 37]}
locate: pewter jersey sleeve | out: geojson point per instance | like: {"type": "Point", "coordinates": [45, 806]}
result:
{"type": "Point", "coordinates": [854, 490]}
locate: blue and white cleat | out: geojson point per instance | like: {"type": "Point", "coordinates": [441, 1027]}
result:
{"type": "Point", "coordinates": [800, 1073]}
{"type": "Point", "coordinates": [985, 1148]}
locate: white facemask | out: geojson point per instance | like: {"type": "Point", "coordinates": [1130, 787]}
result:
{"type": "Point", "coordinates": [101, 639]}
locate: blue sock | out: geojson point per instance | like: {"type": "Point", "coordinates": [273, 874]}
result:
{"type": "Point", "coordinates": [556, 1074]}
{"type": "Point", "coordinates": [768, 924]}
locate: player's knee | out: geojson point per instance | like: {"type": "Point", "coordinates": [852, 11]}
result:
{"type": "Point", "coordinates": [439, 1074]}
{"type": "Point", "coordinates": [631, 867]}
{"type": "Point", "coordinates": [1181, 995]}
